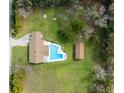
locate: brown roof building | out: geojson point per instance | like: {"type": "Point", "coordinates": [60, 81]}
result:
{"type": "Point", "coordinates": [37, 49]}
{"type": "Point", "coordinates": [79, 50]}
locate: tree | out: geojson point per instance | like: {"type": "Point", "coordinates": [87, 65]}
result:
{"type": "Point", "coordinates": [55, 2]}
{"type": "Point", "coordinates": [111, 18]}
{"type": "Point", "coordinates": [97, 88]}
{"type": "Point", "coordinates": [95, 16]}
{"type": "Point", "coordinates": [24, 7]}
{"type": "Point", "coordinates": [99, 77]}
{"type": "Point", "coordinates": [37, 3]}
{"type": "Point", "coordinates": [99, 72]}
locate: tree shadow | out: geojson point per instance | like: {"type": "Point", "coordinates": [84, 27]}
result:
{"type": "Point", "coordinates": [73, 53]}
{"type": "Point", "coordinates": [28, 53]}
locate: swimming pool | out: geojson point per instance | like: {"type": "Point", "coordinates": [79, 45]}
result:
{"type": "Point", "coordinates": [56, 53]}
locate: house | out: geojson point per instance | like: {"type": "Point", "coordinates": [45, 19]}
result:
{"type": "Point", "coordinates": [37, 49]}
{"type": "Point", "coordinates": [79, 50]}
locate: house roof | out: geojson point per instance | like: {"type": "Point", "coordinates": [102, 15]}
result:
{"type": "Point", "coordinates": [79, 50]}
{"type": "Point", "coordinates": [37, 50]}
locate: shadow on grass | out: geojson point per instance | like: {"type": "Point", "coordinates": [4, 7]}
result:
{"type": "Point", "coordinates": [28, 53]}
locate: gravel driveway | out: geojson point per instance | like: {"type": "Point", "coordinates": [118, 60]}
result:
{"type": "Point", "coordinates": [23, 41]}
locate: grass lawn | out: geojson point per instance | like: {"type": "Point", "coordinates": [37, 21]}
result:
{"type": "Point", "coordinates": [63, 77]}
{"type": "Point", "coordinates": [69, 76]}
{"type": "Point", "coordinates": [36, 22]}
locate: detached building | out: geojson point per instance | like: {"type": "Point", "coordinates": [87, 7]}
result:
{"type": "Point", "coordinates": [79, 51]}
{"type": "Point", "coordinates": [37, 49]}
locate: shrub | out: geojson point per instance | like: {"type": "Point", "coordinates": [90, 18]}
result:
{"type": "Point", "coordinates": [16, 81]}
{"type": "Point", "coordinates": [15, 19]}
{"type": "Point", "coordinates": [70, 30]}
{"type": "Point", "coordinates": [62, 35]}
{"type": "Point", "coordinates": [77, 26]}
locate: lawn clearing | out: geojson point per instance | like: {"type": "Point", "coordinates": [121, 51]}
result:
{"type": "Point", "coordinates": [59, 78]}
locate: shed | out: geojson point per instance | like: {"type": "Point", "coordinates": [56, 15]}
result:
{"type": "Point", "coordinates": [79, 50]}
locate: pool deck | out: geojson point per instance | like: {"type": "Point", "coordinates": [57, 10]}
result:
{"type": "Point", "coordinates": [59, 51]}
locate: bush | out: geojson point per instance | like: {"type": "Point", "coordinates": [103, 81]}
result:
{"type": "Point", "coordinates": [70, 30]}
{"type": "Point", "coordinates": [16, 81]}
{"type": "Point", "coordinates": [24, 7]}
{"type": "Point", "coordinates": [62, 35]}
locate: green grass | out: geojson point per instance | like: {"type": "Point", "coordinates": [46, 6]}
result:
{"type": "Point", "coordinates": [36, 22]}
{"type": "Point", "coordinates": [69, 76]}
{"type": "Point", "coordinates": [19, 55]}
{"type": "Point", "coordinates": [59, 78]}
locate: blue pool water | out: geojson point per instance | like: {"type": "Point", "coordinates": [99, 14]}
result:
{"type": "Point", "coordinates": [53, 52]}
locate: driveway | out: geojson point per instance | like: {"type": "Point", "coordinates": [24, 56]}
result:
{"type": "Point", "coordinates": [23, 41]}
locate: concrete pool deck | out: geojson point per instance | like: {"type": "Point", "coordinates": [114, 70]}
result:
{"type": "Point", "coordinates": [58, 52]}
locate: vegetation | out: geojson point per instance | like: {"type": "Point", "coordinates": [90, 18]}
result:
{"type": "Point", "coordinates": [103, 76]}
{"type": "Point", "coordinates": [70, 31]}
{"type": "Point", "coordinates": [93, 19]}
{"type": "Point", "coordinates": [77, 26]}
{"type": "Point", "coordinates": [15, 19]}
{"type": "Point", "coordinates": [16, 81]}
{"type": "Point", "coordinates": [68, 76]}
